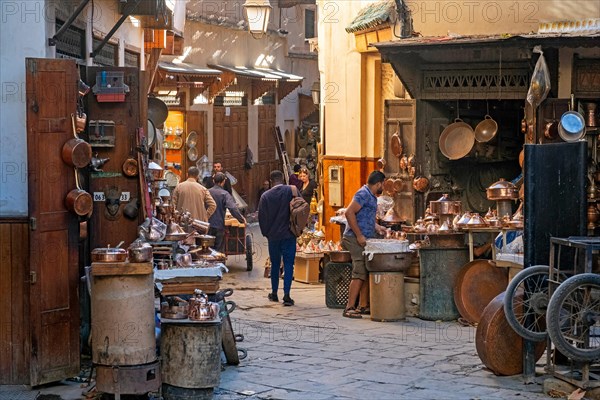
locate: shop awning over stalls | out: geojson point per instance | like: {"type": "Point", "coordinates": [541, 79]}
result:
{"type": "Point", "coordinates": [256, 82]}
{"type": "Point", "coordinates": [476, 67]}
{"type": "Point", "coordinates": [197, 79]}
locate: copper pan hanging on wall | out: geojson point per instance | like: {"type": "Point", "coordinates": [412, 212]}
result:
{"type": "Point", "coordinates": [76, 152]}
{"type": "Point", "coordinates": [457, 140]}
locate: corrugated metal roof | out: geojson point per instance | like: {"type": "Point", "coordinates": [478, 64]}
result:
{"type": "Point", "coordinates": [372, 15]}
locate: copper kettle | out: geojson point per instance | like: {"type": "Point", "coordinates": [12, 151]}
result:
{"type": "Point", "coordinates": [200, 309]}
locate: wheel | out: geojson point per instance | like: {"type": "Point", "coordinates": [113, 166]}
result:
{"type": "Point", "coordinates": [249, 253]}
{"type": "Point", "coordinates": [573, 317]}
{"type": "Point", "coordinates": [526, 301]}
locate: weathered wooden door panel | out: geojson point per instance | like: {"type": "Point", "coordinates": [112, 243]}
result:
{"type": "Point", "coordinates": [14, 292]}
{"type": "Point", "coordinates": [54, 301]}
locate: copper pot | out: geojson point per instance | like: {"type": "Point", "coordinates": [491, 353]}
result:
{"type": "Point", "coordinates": [457, 140]}
{"type": "Point", "coordinates": [340, 256]}
{"type": "Point", "coordinates": [421, 184]}
{"type": "Point", "coordinates": [78, 200]}
{"type": "Point", "coordinates": [76, 152]}
{"type": "Point", "coordinates": [109, 255]}
{"type": "Point", "coordinates": [502, 190]}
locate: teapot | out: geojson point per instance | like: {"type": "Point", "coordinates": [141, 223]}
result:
{"type": "Point", "coordinates": [200, 309]}
{"type": "Point", "coordinates": [97, 163]}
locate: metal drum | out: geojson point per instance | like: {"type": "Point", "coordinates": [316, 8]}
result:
{"type": "Point", "coordinates": [122, 297]}
{"type": "Point", "coordinates": [386, 292]}
{"type": "Point", "coordinates": [439, 269]}
{"type": "Point", "coordinates": [191, 356]}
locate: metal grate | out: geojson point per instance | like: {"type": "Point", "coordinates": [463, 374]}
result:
{"type": "Point", "coordinates": [516, 80]}
{"type": "Point", "coordinates": [337, 283]}
{"type": "Point", "coordinates": [14, 392]}
{"type": "Point", "coordinates": [108, 54]}
{"type": "Point", "coordinates": [71, 43]}
{"type": "Point", "coordinates": [132, 59]}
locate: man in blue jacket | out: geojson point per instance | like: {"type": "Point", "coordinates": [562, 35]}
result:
{"type": "Point", "coordinates": [224, 201]}
{"type": "Point", "coordinates": [274, 222]}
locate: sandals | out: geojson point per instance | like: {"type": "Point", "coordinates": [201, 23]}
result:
{"type": "Point", "coordinates": [351, 313]}
{"type": "Point", "coordinates": [364, 311]}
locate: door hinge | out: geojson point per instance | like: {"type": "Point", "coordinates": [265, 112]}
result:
{"type": "Point", "coordinates": [32, 277]}
{"type": "Point", "coordinates": [32, 67]}
{"type": "Point", "coordinates": [33, 223]}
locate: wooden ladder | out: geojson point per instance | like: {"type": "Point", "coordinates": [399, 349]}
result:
{"type": "Point", "coordinates": [282, 153]}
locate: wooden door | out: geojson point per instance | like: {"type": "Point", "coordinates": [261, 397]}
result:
{"type": "Point", "coordinates": [53, 251]}
{"type": "Point", "coordinates": [195, 122]}
{"type": "Point", "coordinates": [230, 138]}
{"type": "Point", "coordinates": [400, 116]}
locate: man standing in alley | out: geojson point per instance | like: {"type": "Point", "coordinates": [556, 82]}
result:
{"type": "Point", "coordinates": [224, 202]}
{"type": "Point", "coordinates": [191, 196]}
{"type": "Point", "coordinates": [209, 181]}
{"type": "Point", "coordinates": [361, 225]}
{"type": "Point", "coordinates": [274, 221]}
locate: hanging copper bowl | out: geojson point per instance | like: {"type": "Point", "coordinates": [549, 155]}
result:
{"type": "Point", "coordinates": [457, 140]}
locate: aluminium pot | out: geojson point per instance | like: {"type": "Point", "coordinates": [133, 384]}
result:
{"type": "Point", "coordinates": [571, 127]}
{"type": "Point", "coordinates": [389, 262]}
{"type": "Point", "coordinates": [457, 140]}
{"type": "Point", "coordinates": [139, 252]}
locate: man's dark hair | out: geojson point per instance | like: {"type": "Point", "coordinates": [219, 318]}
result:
{"type": "Point", "coordinates": [276, 176]}
{"type": "Point", "coordinates": [219, 178]}
{"type": "Point", "coordinates": [297, 168]}
{"type": "Point", "coordinates": [193, 172]}
{"type": "Point", "coordinates": [375, 177]}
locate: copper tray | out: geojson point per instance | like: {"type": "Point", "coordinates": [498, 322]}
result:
{"type": "Point", "coordinates": [498, 346]}
{"type": "Point", "coordinates": [477, 283]}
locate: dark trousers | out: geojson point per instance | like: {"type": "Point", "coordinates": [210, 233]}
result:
{"type": "Point", "coordinates": [219, 235]}
{"type": "Point", "coordinates": [286, 249]}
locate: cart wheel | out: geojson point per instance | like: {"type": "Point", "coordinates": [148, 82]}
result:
{"type": "Point", "coordinates": [573, 323]}
{"type": "Point", "coordinates": [526, 302]}
{"type": "Point", "coordinates": [249, 252]}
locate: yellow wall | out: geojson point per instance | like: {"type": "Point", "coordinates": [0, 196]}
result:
{"type": "Point", "coordinates": [438, 18]}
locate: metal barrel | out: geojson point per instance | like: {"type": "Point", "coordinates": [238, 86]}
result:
{"type": "Point", "coordinates": [439, 268]}
{"type": "Point", "coordinates": [122, 314]}
{"type": "Point", "coordinates": [191, 354]}
{"type": "Point", "coordinates": [386, 292]}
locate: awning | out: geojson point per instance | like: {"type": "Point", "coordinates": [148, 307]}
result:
{"type": "Point", "coordinates": [257, 82]}
{"type": "Point", "coordinates": [198, 79]}
{"type": "Point", "coordinates": [373, 15]}
{"type": "Point", "coordinates": [187, 69]}
{"type": "Point", "coordinates": [475, 67]}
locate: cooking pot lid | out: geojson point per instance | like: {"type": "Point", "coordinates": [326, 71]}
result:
{"type": "Point", "coordinates": [502, 184]}
{"type": "Point", "coordinates": [108, 250]}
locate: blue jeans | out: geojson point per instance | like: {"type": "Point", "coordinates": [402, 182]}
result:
{"type": "Point", "coordinates": [285, 248]}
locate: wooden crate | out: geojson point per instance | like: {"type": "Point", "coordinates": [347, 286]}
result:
{"type": "Point", "coordinates": [306, 268]}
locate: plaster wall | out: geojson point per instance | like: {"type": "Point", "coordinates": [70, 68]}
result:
{"type": "Point", "coordinates": [18, 21]}
{"type": "Point", "coordinates": [340, 63]}
{"type": "Point", "coordinates": [440, 18]}
{"type": "Point", "coordinates": [340, 69]}
{"type": "Point", "coordinates": [24, 31]}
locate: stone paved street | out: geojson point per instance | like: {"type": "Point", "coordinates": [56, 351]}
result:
{"type": "Point", "coordinates": [309, 351]}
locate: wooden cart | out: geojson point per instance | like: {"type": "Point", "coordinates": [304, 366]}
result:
{"type": "Point", "coordinates": [238, 242]}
